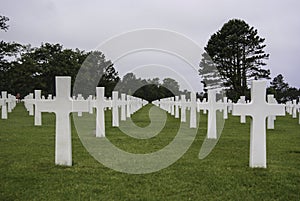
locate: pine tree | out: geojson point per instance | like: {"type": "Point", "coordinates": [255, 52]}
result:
{"type": "Point", "coordinates": [237, 52]}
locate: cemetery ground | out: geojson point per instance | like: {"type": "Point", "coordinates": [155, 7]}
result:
{"type": "Point", "coordinates": [28, 172]}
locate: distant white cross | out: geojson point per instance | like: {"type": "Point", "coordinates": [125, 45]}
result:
{"type": "Point", "coordinates": [3, 105]}
{"type": "Point", "coordinates": [123, 103]}
{"type": "Point", "coordinates": [172, 104]}
{"type": "Point", "coordinates": [212, 106]}
{"type": "Point", "coordinates": [298, 107]}
{"type": "Point", "coordinates": [225, 109]}
{"type": "Point", "coordinates": [242, 100]}
{"type": "Point", "coordinates": [294, 109]}
{"type": "Point", "coordinates": [177, 104]}
{"type": "Point", "coordinates": [80, 98]}
{"type": "Point", "coordinates": [183, 107]}
{"type": "Point", "coordinates": [193, 110]}
{"type": "Point", "coordinates": [37, 112]}
{"type": "Point", "coordinates": [259, 110]}
{"type": "Point", "coordinates": [271, 118]}
{"type": "Point", "coordinates": [29, 101]}
{"type": "Point", "coordinates": [128, 106]}
{"type": "Point", "coordinates": [9, 103]}
{"type": "Point", "coordinates": [115, 109]}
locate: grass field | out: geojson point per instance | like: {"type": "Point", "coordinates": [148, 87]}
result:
{"type": "Point", "coordinates": [27, 170]}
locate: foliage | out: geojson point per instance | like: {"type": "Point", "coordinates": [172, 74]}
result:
{"type": "Point", "coordinates": [282, 91]}
{"type": "Point", "coordinates": [150, 89]}
{"type": "Point", "coordinates": [237, 52]}
{"type": "Point", "coordinates": [96, 71]}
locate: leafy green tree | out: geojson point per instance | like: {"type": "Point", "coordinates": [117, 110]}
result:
{"type": "Point", "coordinates": [96, 71]}
{"type": "Point", "coordinates": [237, 52]}
{"type": "Point", "coordinates": [172, 86]}
{"type": "Point", "coordinates": [9, 52]}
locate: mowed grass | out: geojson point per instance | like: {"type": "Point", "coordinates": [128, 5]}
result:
{"type": "Point", "coordinates": [27, 170]}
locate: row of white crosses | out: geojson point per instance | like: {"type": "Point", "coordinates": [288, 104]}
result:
{"type": "Point", "coordinates": [173, 106]}
{"type": "Point", "coordinates": [7, 103]}
{"type": "Point", "coordinates": [292, 108]}
{"type": "Point", "coordinates": [62, 105]}
{"type": "Point", "coordinates": [258, 108]}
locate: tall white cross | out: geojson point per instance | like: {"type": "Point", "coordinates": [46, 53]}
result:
{"type": "Point", "coordinates": [258, 109]}
{"type": "Point", "coordinates": [100, 104]}
{"type": "Point", "coordinates": [62, 106]}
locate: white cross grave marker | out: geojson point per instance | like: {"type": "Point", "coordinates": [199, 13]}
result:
{"type": "Point", "coordinates": [100, 104]}
{"type": "Point", "coordinates": [294, 109]}
{"type": "Point", "coordinates": [9, 103]}
{"type": "Point", "coordinates": [212, 106]}
{"type": "Point", "coordinates": [271, 118]}
{"type": "Point", "coordinates": [115, 109]}
{"type": "Point", "coordinates": [177, 104]}
{"type": "Point", "coordinates": [29, 102]}
{"type": "Point", "coordinates": [62, 106]}
{"type": "Point", "coordinates": [242, 100]}
{"type": "Point", "coordinates": [225, 109]}
{"type": "Point", "coordinates": [259, 110]}
{"type": "Point", "coordinates": [80, 98]}
{"type": "Point", "coordinates": [3, 105]}
{"type": "Point", "coordinates": [128, 106]}
{"type": "Point", "coordinates": [37, 112]}
{"type": "Point", "coordinates": [123, 107]}
{"type": "Point", "coordinates": [183, 106]}
{"type": "Point", "coordinates": [298, 107]}
{"type": "Point", "coordinates": [193, 110]}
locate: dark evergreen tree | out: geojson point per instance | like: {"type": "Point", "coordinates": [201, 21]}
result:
{"type": "Point", "coordinates": [237, 52]}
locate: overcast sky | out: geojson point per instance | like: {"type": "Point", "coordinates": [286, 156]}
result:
{"type": "Point", "coordinates": [86, 24]}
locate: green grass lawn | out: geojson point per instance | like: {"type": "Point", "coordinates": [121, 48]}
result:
{"type": "Point", "coordinates": [27, 170]}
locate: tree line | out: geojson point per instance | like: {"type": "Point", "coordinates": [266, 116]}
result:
{"type": "Point", "coordinates": [24, 68]}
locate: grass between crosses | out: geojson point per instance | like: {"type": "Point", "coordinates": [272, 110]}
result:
{"type": "Point", "coordinates": [27, 170]}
